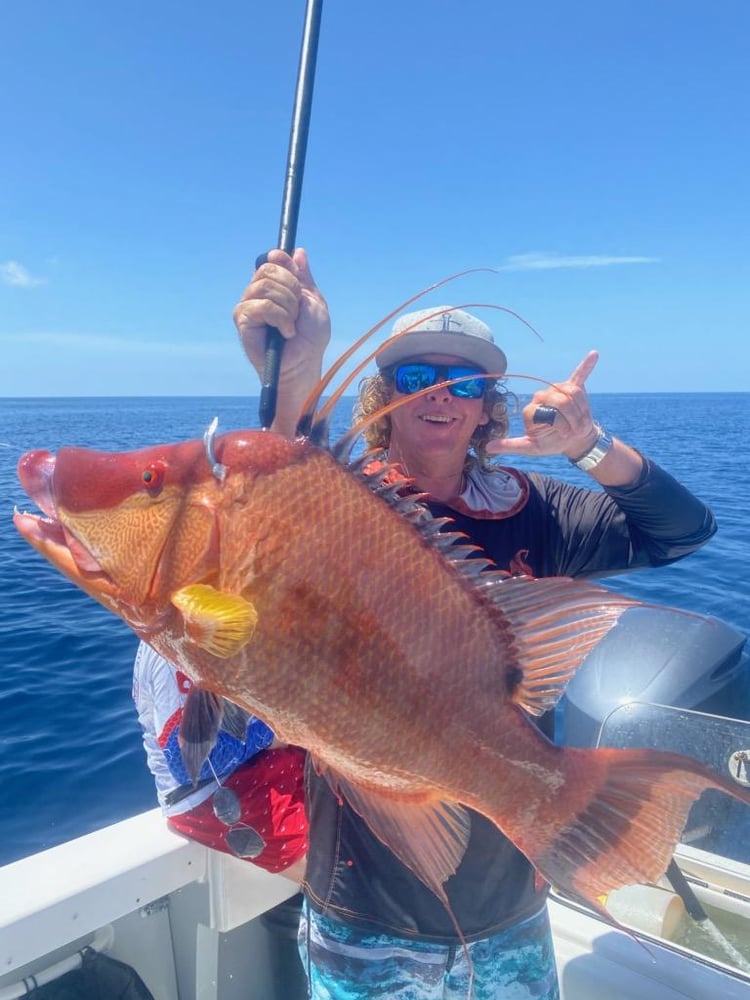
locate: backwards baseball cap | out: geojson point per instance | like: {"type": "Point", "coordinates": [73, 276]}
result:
{"type": "Point", "coordinates": [442, 330]}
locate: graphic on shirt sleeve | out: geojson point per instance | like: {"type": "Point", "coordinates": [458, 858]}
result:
{"type": "Point", "coordinates": [518, 565]}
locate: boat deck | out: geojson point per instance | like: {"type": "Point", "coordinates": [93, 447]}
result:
{"type": "Point", "coordinates": [190, 921]}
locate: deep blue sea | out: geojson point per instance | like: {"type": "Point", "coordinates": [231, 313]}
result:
{"type": "Point", "coordinates": [71, 758]}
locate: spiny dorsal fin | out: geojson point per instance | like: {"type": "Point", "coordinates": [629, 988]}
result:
{"type": "Point", "coordinates": [553, 623]}
{"type": "Point", "coordinates": [386, 481]}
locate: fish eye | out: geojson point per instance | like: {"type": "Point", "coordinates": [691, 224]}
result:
{"type": "Point", "coordinates": [153, 477]}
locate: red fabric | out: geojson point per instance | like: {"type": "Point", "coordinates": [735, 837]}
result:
{"type": "Point", "coordinates": [174, 720]}
{"type": "Point", "coordinates": [272, 795]}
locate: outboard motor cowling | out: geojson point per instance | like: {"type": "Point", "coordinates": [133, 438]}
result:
{"type": "Point", "coordinates": [653, 655]}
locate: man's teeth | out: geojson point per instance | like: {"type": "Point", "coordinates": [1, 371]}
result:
{"type": "Point", "coordinates": [436, 418]}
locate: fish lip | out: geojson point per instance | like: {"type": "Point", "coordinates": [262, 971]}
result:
{"type": "Point", "coordinates": [49, 537]}
{"type": "Point", "coordinates": [47, 533]}
{"type": "Point", "coordinates": [51, 540]}
{"type": "Point", "coordinates": [36, 472]}
{"type": "Point", "coordinates": [38, 528]}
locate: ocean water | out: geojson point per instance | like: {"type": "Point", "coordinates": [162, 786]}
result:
{"type": "Point", "coordinates": [71, 758]}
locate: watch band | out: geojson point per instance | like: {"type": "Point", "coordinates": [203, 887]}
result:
{"type": "Point", "coordinates": [596, 453]}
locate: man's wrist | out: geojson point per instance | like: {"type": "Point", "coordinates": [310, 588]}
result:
{"type": "Point", "coordinates": [596, 453]}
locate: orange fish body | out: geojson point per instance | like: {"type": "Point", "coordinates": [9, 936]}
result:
{"type": "Point", "coordinates": [347, 622]}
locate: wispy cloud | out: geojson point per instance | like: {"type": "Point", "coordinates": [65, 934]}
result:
{"type": "Point", "coordinates": [537, 261]}
{"type": "Point", "coordinates": [89, 344]}
{"type": "Point", "coordinates": [15, 274]}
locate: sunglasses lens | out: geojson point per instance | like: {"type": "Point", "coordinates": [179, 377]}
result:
{"type": "Point", "coordinates": [226, 806]}
{"type": "Point", "coordinates": [245, 842]}
{"type": "Point", "coordinates": [412, 378]}
{"type": "Point", "coordinates": [418, 375]}
{"type": "Point", "coordinates": [472, 388]}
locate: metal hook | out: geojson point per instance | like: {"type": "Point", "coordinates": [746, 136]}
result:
{"type": "Point", "coordinates": [217, 468]}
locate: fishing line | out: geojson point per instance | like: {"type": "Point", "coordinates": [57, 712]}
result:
{"type": "Point", "coordinates": [326, 410]}
{"type": "Point", "coordinates": [308, 418]}
{"type": "Point", "coordinates": [342, 448]}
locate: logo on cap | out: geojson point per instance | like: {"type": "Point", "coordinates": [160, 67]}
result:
{"type": "Point", "coordinates": [446, 327]}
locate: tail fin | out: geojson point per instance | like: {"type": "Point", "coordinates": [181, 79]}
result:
{"type": "Point", "coordinates": [622, 814]}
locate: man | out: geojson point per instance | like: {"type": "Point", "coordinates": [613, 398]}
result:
{"type": "Point", "coordinates": [371, 928]}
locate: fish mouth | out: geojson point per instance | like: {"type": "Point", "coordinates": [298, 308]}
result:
{"type": "Point", "coordinates": [36, 471]}
{"type": "Point", "coordinates": [45, 532]}
{"type": "Point", "coordinates": [50, 536]}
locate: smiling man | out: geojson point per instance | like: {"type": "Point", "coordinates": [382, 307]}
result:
{"type": "Point", "coordinates": [431, 436]}
{"type": "Point", "coordinates": [370, 927]}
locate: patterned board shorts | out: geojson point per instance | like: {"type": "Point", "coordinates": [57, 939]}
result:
{"type": "Point", "coordinates": [346, 963]}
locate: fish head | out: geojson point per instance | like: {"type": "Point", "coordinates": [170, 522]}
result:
{"type": "Point", "coordinates": [132, 529]}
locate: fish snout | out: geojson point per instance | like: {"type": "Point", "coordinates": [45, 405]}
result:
{"type": "Point", "coordinates": [36, 471]}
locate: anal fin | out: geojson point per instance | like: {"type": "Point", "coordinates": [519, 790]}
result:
{"type": "Point", "coordinates": [427, 835]}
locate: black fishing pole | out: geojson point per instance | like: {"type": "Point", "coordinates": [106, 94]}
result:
{"type": "Point", "coordinates": [295, 167]}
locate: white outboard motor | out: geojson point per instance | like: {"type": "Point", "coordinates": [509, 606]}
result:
{"type": "Point", "coordinates": [653, 655]}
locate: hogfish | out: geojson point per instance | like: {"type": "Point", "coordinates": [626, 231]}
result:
{"type": "Point", "coordinates": [335, 608]}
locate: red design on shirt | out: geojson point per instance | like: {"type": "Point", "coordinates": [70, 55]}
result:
{"type": "Point", "coordinates": [519, 566]}
{"type": "Point", "coordinates": [169, 726]}
{"type": "Point", "coordinates": [183, 682]}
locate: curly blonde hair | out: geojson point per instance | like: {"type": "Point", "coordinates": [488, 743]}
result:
{"type": "Point", "coordinates": [376, 391]}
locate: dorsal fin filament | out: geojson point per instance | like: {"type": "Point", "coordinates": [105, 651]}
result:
{"type": "Point", "coordinates": [307, 415]}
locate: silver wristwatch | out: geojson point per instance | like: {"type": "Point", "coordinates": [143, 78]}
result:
{"type": "Point", "coordinates": [596, 453]}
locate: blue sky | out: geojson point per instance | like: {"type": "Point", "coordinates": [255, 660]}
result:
{"type": "Point", "coordinates": [595, 153]}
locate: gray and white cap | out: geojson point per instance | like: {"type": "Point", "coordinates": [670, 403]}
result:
{"type": "Point", "coordinates": [443, 330]}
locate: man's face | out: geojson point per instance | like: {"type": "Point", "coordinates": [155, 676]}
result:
{"type": "Point", "coordinates": [438, 421]}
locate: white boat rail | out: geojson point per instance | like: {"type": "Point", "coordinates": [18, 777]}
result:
{"type": "Point", "coordinates": [187, 920]}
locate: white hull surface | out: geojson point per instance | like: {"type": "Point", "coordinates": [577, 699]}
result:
{"type": "Point", "coordinates": [187, 920]}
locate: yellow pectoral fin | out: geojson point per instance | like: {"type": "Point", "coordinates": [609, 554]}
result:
{"type": "Point", "coordinates": [219, 623]}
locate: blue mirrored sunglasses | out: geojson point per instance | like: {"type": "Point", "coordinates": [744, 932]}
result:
{"type": "Point", "coordinates": [416, 375]}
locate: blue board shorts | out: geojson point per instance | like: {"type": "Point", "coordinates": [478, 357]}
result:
{"type": "Point", "coordinates": [344, 962]}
